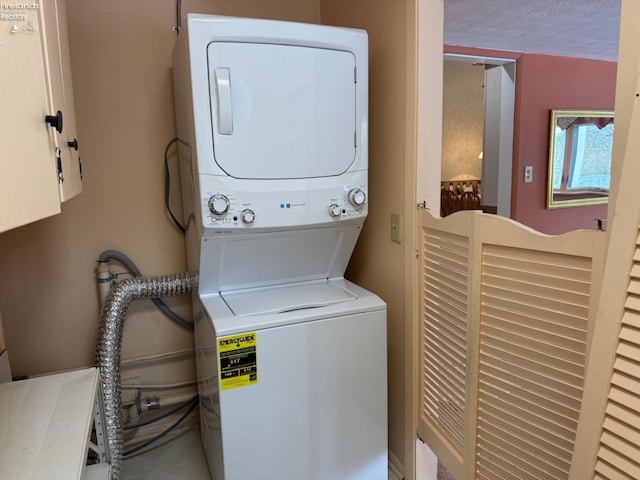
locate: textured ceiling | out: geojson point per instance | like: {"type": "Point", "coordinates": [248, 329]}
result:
{"type": "Point", "coordinates": [572, 28]}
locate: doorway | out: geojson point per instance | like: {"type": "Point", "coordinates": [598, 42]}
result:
{"type": "Point", "coordinates": [489, 153]}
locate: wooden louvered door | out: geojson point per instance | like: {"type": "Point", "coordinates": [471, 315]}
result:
{"type": "Point", "coordinates": [444, 338]}
{"type": "Point", "coordinates": [505, 330]}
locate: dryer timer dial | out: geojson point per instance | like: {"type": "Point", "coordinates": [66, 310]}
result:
{"type": "Point", "coordinates": [357, 197]}
{"type": "Point", "coordinates": [219, 204]}
{"type": "Point", "coordinates": [335, 210]}
{"type": "Point", "coordinates": [247, 216]}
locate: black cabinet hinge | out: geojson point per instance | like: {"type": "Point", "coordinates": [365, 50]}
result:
{"type": "Point", "coordinates": [59, 165]}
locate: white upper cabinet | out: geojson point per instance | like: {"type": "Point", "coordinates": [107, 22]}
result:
{"type": "Point", "coordinates": [39, 168]}
{"type": "Point", "coordinates": [61, 97]}
{"type": "Point", "coordinates": [28, 182]}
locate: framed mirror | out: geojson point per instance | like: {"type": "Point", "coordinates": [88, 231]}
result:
{"type": "Point", "coordinates": [579, 157]}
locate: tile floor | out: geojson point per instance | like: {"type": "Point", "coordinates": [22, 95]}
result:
{"type": "Point", "coordinates": [179, 459]}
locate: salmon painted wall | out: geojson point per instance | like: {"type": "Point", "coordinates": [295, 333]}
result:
{"type": "Point", "coordinates": [543, 83]}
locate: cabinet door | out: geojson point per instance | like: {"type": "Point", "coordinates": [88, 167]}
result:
{"type": "Point", "coordinates": [28, 182]}
{"type": "Point", "coordinates": [61, 97]}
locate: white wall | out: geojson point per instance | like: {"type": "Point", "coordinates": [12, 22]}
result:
{"type": "Point", "coordinates": [462, 120]}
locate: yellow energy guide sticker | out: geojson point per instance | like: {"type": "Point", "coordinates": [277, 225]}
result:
{"type": "Point", "coordinates": [238, 360]}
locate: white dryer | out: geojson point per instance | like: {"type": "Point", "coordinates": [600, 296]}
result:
{"type": "Point", "coordinates": [291, 358]}
{"type": "Point", "coordinates": [273, 118]}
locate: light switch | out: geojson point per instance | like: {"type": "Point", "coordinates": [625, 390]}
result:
{"type": "Point", "coordinates": [396, 228]}
{"type": "Point", "coordinates": [528, 174]}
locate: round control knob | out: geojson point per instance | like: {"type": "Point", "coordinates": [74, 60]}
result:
{"type": "Point", "coordinates": [247, 216]}
{"type": "Point", "coordinates": [335, 210]}
{"type": "Point", "coordinates": [357, 197]}
{"type": "Point", "coordinates": [219, 204]}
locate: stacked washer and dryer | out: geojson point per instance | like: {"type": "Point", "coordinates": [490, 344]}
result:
{"type": "Point", "coordinates": [291, 357]}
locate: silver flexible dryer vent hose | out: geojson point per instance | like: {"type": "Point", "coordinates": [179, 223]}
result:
{"type": "Point", "coordinates": [109, 345]}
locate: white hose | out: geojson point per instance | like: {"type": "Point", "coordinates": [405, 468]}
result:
{"type": "Point", "coordinates": [104, 281]}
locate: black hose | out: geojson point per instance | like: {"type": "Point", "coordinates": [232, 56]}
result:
{"type": "Point", "coordinates": [166, 414]}
{"type": "Point", "coordinates": [167, 184]}
{"type": "Point", "coordinates": [127, 262]}
{"type": "Point", "coordinates": [166, 432]}
{"type": "Point", "coordinates": [178, 17]}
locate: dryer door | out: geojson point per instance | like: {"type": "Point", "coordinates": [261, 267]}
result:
{"type": "Point", "coordinates": [282, 111]}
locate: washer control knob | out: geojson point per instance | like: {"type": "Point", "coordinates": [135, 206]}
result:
{"type": "Point", "coordinates": [247, 216]}
{"type": "Point", "coordinates": [219, 204]}
{"type": "Point", "coordinates": [335, 210]}
{"type": "Point", "coordinates": [357, 197]}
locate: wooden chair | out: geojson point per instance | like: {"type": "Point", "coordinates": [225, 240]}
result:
{"type": "Point", "coordinates": [470, 201]}
{"type": "Point", "coordinates": [449, 203]}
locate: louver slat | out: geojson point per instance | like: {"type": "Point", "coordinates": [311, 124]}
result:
{"type": "Point", "coordinates": [518, 360]}
{"type": "Point", "coordinates": [528, 414]}
{"type": "Point", "coordinates": [631, 335]}
{"type": "Point", "coordinates": [608, 455]}
{"type": "Point", "coordinates": [621, 430]}
{"type": "Point", "coordinates": [607, 472]}
{"type": "Point", "coordinates": [629, 351]}
{"type": "Point", "coordinates": [539, 394]}
{"type": "Point", "coordinates": [527, 461]}
{"type": "Point", "coordinates": [528, 333]}
{"type": "Point", "coordinates": [625, 381]}
{"type": "Point", "coordinates": [532, 439]}
{"type": "Point", "coordinates": [529, 409]}
{"type": "Point", "coordinates": [633, 303]}
{"type": "Point", "coordinates": [447, 393]}
{"type": "Point", "coordinates": [493, 468]}
{"type": "Point", "coordinates": [444, 361]}
{"type": "Point", "coordinates": [539, 312]}
{"type": "Point", "coordinates": [551, 306]}
{"type": "Point", "coordinates": [631, 318]}
{"type": "Point", "coordinates": [547, 326]}
{"type": "Point", "coordinates": [537, 278]}
{"type": "Point", "coordinates": [445, 260]}
{"type": "Point", "coordinates": [521, 260]}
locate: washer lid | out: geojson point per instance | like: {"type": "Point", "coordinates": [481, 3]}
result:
{"type": "Point", "coordinates": [282, 111]}
{"type": "Point", "coordinates": [282, 299]}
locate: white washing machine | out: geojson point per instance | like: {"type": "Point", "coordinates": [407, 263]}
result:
{"type": "Point", "coordinates": [291, 358]}
{"type": "Point", "coordinates": [290, 393]}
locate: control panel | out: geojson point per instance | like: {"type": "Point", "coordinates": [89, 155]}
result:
{"type": "Point", "coordinates": [232, 211]}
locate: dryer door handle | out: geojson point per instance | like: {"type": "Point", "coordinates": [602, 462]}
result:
{"type": "Point", "coordinates": [223, 101]}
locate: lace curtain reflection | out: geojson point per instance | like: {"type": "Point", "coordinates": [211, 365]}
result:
{"type": "Point", "coordinates": [600, 122]}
